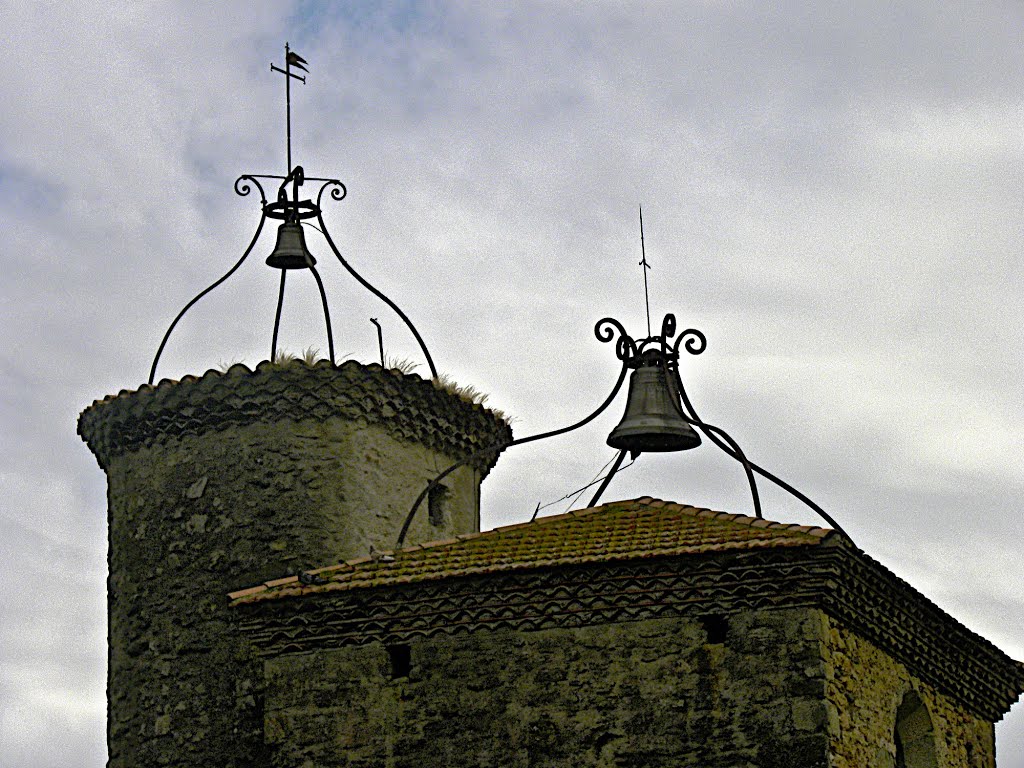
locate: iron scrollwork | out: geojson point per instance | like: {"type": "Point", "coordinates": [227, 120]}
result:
{"type": "Point", "coordinates": [660, 350]}
{"type": "Point", "coordinates": [291, 252]}
{"type": "Point", "coordinates": [634, 353]}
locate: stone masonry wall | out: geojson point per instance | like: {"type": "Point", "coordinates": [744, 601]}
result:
{"type": "Point", "coordinates": [865, 687]}
{"type": "Point", "coordinates": [191, 521]}
{"type": "Point", "coordinates": [199, 506]}
{"type": "Point", "coordinates": [744, 691]}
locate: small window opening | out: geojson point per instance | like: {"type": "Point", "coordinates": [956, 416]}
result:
{"type": "Point", "coordinates": [437, 501]}
{"type": "Point", "coordinates": [914, 734]}
{"type": "Point", "coordinates": [401, 661]}
{"type": "Point", "coordinates": [716, 627]}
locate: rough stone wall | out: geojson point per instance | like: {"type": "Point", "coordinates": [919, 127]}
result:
{"type": "Point", "coordinates": [865, 687]}
{"type": "Point", "coordinates": [192, 520]}
{"type": "Point", "coordinates": [199, 506]}
{"type": "Point", "coordinates": [746, 692]}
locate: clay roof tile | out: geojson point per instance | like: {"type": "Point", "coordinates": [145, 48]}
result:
{"type": "Point", "coordinates": [617, 531]}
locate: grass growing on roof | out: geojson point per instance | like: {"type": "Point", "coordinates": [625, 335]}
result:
{"type": "Point", "coordinates": [403, 364]}
{"type": "Point", "coordinates": [466, 392]}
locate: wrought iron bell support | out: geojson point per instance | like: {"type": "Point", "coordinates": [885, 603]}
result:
{"type": "Point", "coordinates": [653, 352]}
{"type": "Point", "coordinates": [291, 251]}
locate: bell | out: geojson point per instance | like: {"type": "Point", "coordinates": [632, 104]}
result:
{"type": "Point", "coordinates": [651, 422]}
{"type": "Point", "coordinates": [291, 251]}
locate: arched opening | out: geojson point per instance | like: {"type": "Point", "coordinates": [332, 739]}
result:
{"type": "Point", "coordinates": [914, 735]}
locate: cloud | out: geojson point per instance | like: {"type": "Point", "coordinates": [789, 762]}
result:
{"type": "Point", "coordinates": [829, 194]}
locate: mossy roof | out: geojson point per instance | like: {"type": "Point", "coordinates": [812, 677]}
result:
{"type": "Point", "coordinates": [617, 531]}
{"type": "Point", "coordinates": [408, 407]}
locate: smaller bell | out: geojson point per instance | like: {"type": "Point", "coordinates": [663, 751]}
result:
{"type": "Point", "coordinates": [291, 251]}
{"type": "Point", "coordinates": [651, 422]}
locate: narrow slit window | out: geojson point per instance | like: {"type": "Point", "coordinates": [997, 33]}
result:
{"type": "Point", "coordinates": [437, 503]}
{"type": "Point", "coordinates": [716, 627]}
{"type": "Point", "coordinates": [400, 657]}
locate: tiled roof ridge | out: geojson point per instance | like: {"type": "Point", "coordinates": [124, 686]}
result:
{"type": "Point", "coordinates": [499, 531]}
{"type": "Point", "coordinates": [735, 517]}
{"type": "Point", "coordinates": [241, 369]}
{"type": "Point", "coordinates": [875, 570]}
{"type": "Point", "coordinates": [407, 405]}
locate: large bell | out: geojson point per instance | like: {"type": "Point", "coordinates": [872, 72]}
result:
{"type": "Point", "coordinates": [291, 251]}
{"type": "Point", "coordinates": [651, 422]}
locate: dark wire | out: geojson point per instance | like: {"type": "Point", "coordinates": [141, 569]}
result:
{"type": "Point", "coordinates": [579, 491]}
{"type": "Point", "coordinates": [502, 446]}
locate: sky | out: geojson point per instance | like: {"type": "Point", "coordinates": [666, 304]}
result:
{"type": "Point", "coordinates": [831, 193]}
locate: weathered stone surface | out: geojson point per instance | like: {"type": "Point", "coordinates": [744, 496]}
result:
{"type": "Point", "coordinates": [651, 693]}
{"type": "Point", "coordinates": [865, 687]}
{"type": "Point", "coordinates": [786, 688]}
{"type": "Point", "coordinates": [200, 508]}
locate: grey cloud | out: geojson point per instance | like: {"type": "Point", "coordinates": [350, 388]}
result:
{"type": "Point", "coordinates": [829, 195]}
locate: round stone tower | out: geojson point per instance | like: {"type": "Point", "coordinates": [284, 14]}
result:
{"type": "Point", "coordinates": [220, 482]}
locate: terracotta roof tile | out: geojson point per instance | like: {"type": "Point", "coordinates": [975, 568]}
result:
{"type": "Point", "coordinates": [280, 582]}
{"type": "Point", "coordinates": [622, 530]}
{"type": "Point", "coordinates": [249, 591]}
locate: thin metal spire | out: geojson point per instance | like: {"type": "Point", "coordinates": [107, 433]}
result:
{"type": "Point", "coordinates": [291, 59]}
{"type": "Point", "coordinates": [646, 266]}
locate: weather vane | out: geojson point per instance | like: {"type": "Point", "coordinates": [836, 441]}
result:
{"type": "Point", "coordinates": [291, 59]}
{"type": "Point", "coordinates": [291, 251]}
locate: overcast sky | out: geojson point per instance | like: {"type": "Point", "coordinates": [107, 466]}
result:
{"type": "Point", "coordinates": [831, 193]}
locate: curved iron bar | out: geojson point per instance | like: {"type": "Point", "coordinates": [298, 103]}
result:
{"type": "Point", "coordinates": [277, 317]}
{"type": "Point", "coordinates": [696, 342]}
{"type": "Point", "coordinates": [501, 446]}
{"type": "Point", "coordinates": [297, 177]}
{"type": "Point", "coordinates": [327, 312]}
{"type": "Point", "coordinates": [625, 347]}
{"type": "Point", "coordinates": [608, 477]}
{"type": "Point", "coordinates": [668, 326]}
{"type": "Point", "coordinates": [243, 190]}
{"type": "Point", "coordinates": [765, 473]}
{"type": "Point", "coordinates": [337, 194]}
{"type": "Point", "coordinates": [338, 190]}
{"type": "Point", "coordinates": [672, 375]}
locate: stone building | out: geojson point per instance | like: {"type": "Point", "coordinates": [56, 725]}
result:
{"type": "Point", "coordinates": [257, 617]}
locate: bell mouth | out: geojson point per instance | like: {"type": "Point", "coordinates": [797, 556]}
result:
{"type": "Point", "coordinates": [289, 261]}
{"type": "Point", "coordinates": [653, 438]}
